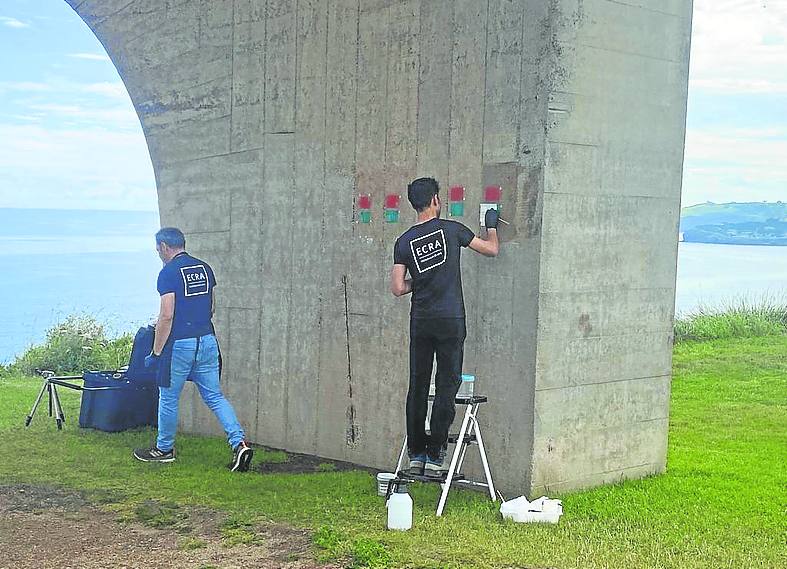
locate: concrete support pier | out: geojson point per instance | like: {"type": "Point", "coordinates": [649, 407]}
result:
{"type": "Point", "coordinates": [267, 122]}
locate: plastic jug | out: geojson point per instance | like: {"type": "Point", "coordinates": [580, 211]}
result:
{"type": "Point", "coordinates": [466, 389]}
{"type": "Point", "coordinates": [400, 506]}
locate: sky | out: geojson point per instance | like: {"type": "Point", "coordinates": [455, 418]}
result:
{"type": "Point", "coordinates": [69, 137]}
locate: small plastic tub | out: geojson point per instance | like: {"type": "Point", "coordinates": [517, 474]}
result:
{"type": "Point", "coordinates": [383, 480]}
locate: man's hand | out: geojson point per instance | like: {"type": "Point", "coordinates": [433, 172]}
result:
{"type": "Point", "coordinates": [151, 359]}
{"type": "Point", "coordinates": [491, 218]}
{"type": "Point", "coordinates": [490, 246]}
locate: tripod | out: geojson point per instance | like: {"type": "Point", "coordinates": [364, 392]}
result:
{"type": "Point", "coordinates": [50, 389]}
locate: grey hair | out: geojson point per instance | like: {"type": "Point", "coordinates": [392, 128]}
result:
{"type": "Point", "coordinates": [171, 236]}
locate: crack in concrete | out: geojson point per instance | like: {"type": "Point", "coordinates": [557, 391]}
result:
{"type": "Point", "coordinates": [352, 428]}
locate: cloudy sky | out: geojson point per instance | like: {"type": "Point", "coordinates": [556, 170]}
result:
{"type": "Point", "coordinates": [69, 137]}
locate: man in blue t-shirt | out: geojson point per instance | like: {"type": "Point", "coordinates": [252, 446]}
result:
{"type": "Point", "coordinates": [185, 347]}
{"type": "Point", "coordinates": [430, 252]}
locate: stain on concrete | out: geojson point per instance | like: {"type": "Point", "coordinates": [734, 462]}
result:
{"type": "Point", "coordinates": [584, 324]}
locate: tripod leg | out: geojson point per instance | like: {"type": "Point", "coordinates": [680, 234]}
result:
{"type": "Point", "coordinates": [29, 418]}
{"type": "Point", "coordinates": [59, 415]}
{"type": "Point", "coordinates": [49, 392]}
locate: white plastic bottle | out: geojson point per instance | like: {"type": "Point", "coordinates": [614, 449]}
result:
{"type": "Point", "coordinates": [400, 508]}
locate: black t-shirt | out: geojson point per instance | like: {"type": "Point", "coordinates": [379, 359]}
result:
{"type": "Point", "coordinates": [192, 281]}
{"type": "Point", "coordinates": [431, 253]}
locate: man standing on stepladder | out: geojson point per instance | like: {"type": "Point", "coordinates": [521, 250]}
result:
{"type": "Point", "coordinates": [430, 251]}
{"type": "Point", "coordinates": [185, 347]}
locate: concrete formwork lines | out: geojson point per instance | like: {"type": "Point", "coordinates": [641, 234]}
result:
{"type": "Point", "coordinates": [280, 67]}
{"type": "Point", "coordinates": [276, 301]}
{"type": "Point", "coordinates": [364, 311]}
{"type": "Point", "coordinates": [338, 434]}
{"type": "Point", "coordinates": [307, 215]}
{"type": "Point", "coordinates": [468, 37]}
{"type": "Point", "coordinates": [433, 117]}
{"type": "Point", "coordinates": [401, 133]}
{"type": "Point", "coordinates": [646, 8]}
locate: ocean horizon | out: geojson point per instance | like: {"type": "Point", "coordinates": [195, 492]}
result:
{"type": "Point", "coordinates": [104, 264]}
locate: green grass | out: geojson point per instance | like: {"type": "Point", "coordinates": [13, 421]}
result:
{"type": "Point", "coordinates": [738, 318]}
{"type": "Point", "coordinates": [721, 503]}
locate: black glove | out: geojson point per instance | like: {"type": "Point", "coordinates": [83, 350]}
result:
{"type": "Point", "coordinates": [491, 218]}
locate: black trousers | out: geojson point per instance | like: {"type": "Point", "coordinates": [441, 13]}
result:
{"type": "Point", "coordinates": [446, 338]}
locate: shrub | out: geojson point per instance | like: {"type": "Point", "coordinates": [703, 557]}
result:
{"type": "Point", "coordinates": [77, 344]}
{"type": "Point", "coordinates": [740, 318]}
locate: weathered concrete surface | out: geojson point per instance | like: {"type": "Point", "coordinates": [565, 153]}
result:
{"type": "Point", "coordinates": [265, 118]}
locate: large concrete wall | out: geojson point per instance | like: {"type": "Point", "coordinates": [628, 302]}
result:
{"type": "Point", "coordinates": [266, 118]}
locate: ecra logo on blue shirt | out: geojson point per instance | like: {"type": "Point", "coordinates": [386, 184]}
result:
{"type": "Point", "coordinates": [195, 280]}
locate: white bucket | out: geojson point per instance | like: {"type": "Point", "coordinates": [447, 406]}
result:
{"type": "Point", "coordinates": [383, 479]}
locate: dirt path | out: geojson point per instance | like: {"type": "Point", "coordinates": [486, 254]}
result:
{"type": "Point", "coordinates": [45, 527]}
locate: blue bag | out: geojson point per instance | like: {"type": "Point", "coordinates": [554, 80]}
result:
{"type": "Point", "coordinates": [143, 344]}
{"type": "Point", "coordinates": [126, 405]}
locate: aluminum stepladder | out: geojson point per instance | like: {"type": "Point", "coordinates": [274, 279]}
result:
{"type": "Point", "coordinates": [469, 433]}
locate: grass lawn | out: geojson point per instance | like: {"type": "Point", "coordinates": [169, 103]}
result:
{"type": "Point", "coordinates": [722, 502]}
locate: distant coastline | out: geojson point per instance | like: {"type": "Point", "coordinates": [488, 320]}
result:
{"type": "Point", "coordinates": [750, 223]}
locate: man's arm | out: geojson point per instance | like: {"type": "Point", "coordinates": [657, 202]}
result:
{"type": "Point", "coordinates": [488, 247]}
{"type": "Point", "coordinates": [164, 323]}
{"type": "Point", "coordinates": [399, 285]}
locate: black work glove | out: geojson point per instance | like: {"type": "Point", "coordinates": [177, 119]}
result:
{"type": "Point", "coordinates": [491, 218]}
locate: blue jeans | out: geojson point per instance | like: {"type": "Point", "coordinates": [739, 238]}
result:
{"type": "Point", "coordinates": [200, 363]}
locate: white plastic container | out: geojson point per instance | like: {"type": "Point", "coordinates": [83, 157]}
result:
{"type": "Point", "coordinates": [400, 509]}
{"type": "Point", "coordinates": [383, 479]}
{"type": "Point", "coordinates": [542, 510]}
{"type": "Point", "coordinates": [466, 389]}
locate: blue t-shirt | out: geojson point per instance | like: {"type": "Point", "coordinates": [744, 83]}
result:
{"type": "Point", "coordinates": [192, 281]}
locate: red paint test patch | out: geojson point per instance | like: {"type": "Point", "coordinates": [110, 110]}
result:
{"type": "Point", "coordinates": [392, 201]}
{"type": "Point", "coordinates": [364, 202]}
{"type": "Point", "coordinates": [456, 194]}
{"type": "Point", "coordinates": [493, 194]}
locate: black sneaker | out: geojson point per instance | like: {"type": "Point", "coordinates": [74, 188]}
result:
{"type": "Point", "coordinates": [434, 465]}
{"type": "Point", "coordinates": [241, 457]}
{"type": "Point", "coordinates": [153, 454]}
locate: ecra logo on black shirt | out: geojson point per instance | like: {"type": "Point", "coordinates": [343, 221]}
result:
{"type": "Point", "coordinates": [195, 280]}
{"type": "Point", "coordinates": [429, 251]}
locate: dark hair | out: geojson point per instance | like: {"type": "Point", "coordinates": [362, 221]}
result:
{"type": "Point", "coordinates": [421, 191]}
{"type": "Point", "coordinates": [172, 236]}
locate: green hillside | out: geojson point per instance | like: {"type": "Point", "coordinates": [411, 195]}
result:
{"type": "Point", "coordinates": [755, 223]}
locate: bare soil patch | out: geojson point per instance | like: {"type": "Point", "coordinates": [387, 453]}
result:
{"type": "Point", "coordinates": [305, 463]}
{"type": "Point", "coordinates": [48, 527]}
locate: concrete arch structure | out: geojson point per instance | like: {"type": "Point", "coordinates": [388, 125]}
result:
{"type": "Point", "coordinates": [266, 118]}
